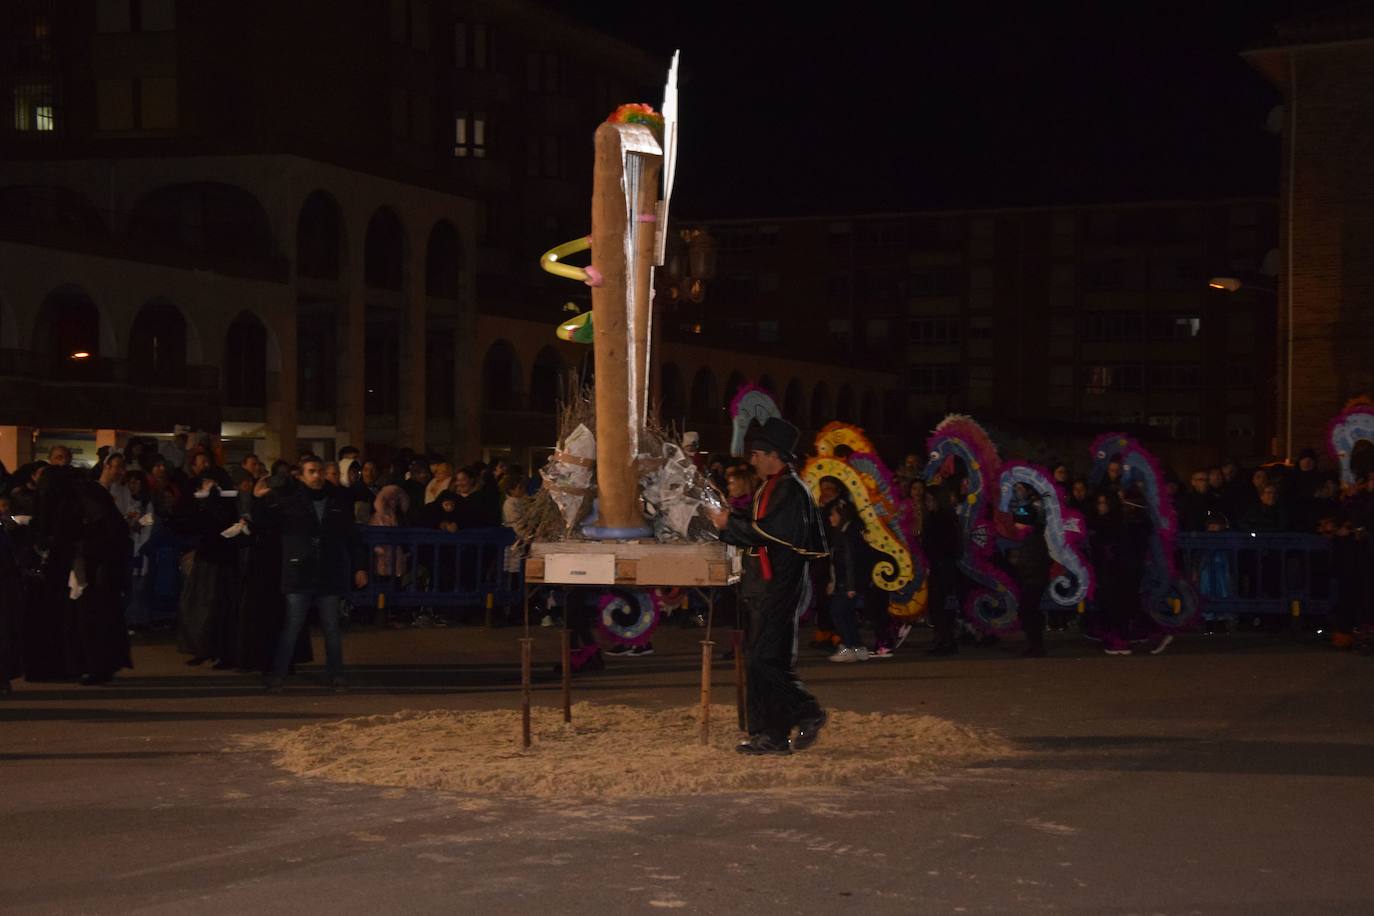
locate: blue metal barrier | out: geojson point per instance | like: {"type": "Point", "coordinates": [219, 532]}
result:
{"type": "Point", "coordinates": [422, 567]}
{"type": "Point", "coordinates": [1243, 573]}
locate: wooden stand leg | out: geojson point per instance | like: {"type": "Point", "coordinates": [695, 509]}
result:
{"type": "Point", "coordinates": [526, 646]}
{"type": "Point", "coordinates": [567, 672]}
{"type": "Point", "coordinates": [706, 646]}
{"type": "Point", "coordinates": [739, 679]}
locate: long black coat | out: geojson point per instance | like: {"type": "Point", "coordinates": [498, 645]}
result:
{"type": "Point", "coordinates": [783, 529]}
{"type": "Point", "coordinates": [320, 553]}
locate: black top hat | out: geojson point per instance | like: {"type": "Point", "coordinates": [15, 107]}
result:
{"type": "Point", "coordinates": [775, 435]}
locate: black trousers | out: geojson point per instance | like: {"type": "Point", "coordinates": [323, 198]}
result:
{"type": "Point", "coordinates": [777, 700]}
{"type": "Point", "coordinates": [942, 618]}
{"type": "Point", "coordinates": [1028, 611]}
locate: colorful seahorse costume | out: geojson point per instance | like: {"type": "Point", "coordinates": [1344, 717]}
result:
{"type": "Point", "coordinates": [991, 607]}
{"type": "Point", "coordinates": [1170, 599]}
{"type": "Point", "coordinates": [1350, 426]}
{"type": "Point", "coordinates": [883, 508]}
{"type": "Point", "coordinates": [1065, 531]}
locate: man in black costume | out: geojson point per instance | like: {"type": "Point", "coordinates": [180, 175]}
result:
{"type": "Point", "coordinates": [323, 559]}
{"type": "Point", "coordinates": [783, 529]}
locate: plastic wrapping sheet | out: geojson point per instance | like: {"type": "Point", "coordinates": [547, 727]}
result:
{"type": "Point", "coordinates": [568, 474]}
{"type": "Point", "coordinates": [678, 497]}
{"type": "Point", "coordinates": [636, 143]}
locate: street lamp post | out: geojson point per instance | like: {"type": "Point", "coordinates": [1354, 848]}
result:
{"type": "Point", "coordinates": [1235, 285]}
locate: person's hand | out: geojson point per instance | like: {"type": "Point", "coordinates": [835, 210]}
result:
{"type": "Point", "coordinates": [360, 579]}
{"type": "Point", "coordinates": [262, 488]}
{"type": "Point", "coordinates": [720, 518]}
{"type": "Point", "coordinates": [850, 594]}
{"type": "Point", "coordinates": [830, 588]}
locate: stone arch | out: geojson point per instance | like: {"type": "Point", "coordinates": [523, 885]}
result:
{"type": "Point", "coordinates": [159, 346]}
{"type": "Point", "coordinates": [547, 378]}
{"type": "Point", "coordinates": [51, 206]}
{"type": "Point", "coordinates": [443, 261]}
{"type": "Point", "coordinates": [822, 411]}
{"type": "Point", "coordinates": [248, 357]}
{"type": "Point", "coordinates": [672, 394]}
{"type": "Point", "coordinates": [384, 251]}
{"type": "Point", "coordinates": [794, 404]}
{"type": "Point", "coordinates": [70, 322]}
{"type": "Point", "coordinates": [321, 245]}
{"type": "Point", "coordinates": [844, 405]}
{"type": "Point", "coordinates": [501, 377]}
{"type": "Point", "coordinates": [733, 384]}
{"type": "Point", "coordinates": [704, 401]}
{"type": "Point", "coordinates": [204, 216]}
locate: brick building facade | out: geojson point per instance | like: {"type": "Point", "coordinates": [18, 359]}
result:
{"type": "Point", "coordinates": [1324, 66]}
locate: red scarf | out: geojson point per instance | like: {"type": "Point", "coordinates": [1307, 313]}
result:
{"type": "Point", "coordinates": [765, 564]}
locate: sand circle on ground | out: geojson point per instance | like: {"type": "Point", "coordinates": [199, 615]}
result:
{"type": "Point", "coordinates": [613, 751]}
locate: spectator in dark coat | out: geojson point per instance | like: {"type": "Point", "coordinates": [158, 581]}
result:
{"type": "Point", "coordinates": [323, 560]}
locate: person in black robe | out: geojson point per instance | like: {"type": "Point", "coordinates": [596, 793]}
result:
{"type": "Point", "coordinates": [262, 606]}
{"type": "Point", "coordinates": [784, 530]}
{"type": "Point", "coordinates": [54, 504]}
{"type": "Point", "coordinates": [11, 606]}
{"type": "Point", "coordinates": [98, 640]}
{"type": "Point", "coordinates": [210, 593]}
{"type": "Point", "coordinates": [1030, 561]}
{"type": "Point", "coordinates": [943, 546]}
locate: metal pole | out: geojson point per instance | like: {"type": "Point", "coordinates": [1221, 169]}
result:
{"type": "Point", "coordinates": [1292, 176]}
{"type": "Point", "coordinates": [739, 680]}
{"type": "Point", "coordinates": [567, 669]}
{"type": "Point", "coordinates": [526, 645]}
{"type": "Point", "coordinates": [706, 645]}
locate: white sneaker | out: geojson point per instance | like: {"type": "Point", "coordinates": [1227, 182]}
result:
{"type": "Point", "coordinates": [846, 654]}
{"type": "Point", "coordinates": [1162, 644]}
{"type": "Point", "coordinates": [903, 632]}
{"type": "Point", "coordinates": [547, 622]}
{"type": "Point", "coordinates": [862, 654]}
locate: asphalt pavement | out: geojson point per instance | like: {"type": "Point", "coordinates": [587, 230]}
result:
{"type": "Point", "coordinates": [1231, 775]}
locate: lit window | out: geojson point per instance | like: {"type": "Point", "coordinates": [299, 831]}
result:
{"type": "Point", "coordinates": [33, 108]}
{"type": "Point", "coordinates": [460, 135]}
{"type": "Point", "coordinates": [470, 135]}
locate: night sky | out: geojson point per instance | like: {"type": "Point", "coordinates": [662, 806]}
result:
{"type": "Point", "coordinates": [983, 105]}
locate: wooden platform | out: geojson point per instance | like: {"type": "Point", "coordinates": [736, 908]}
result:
{"type": "Point", "coordinates": [630, 563]}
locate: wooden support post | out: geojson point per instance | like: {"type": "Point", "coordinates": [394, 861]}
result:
{"type": "Point", "coordinates": [739, 680]}
{"type": "Point", "coordinates": [706, 645]}
{"type": "Point", "coordinates": [526, 646]}
{"type": "Point", "coordinates": [567, 669]}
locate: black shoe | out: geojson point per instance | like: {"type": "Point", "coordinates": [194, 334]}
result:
{"type": "Point", "coordinates": [760, 745]}
{"type": "Point", "coordinates": [93, 680]}
{"type": "Point", "coordinates": [222, 665]}
{"type": "Point", "coordinates": [944, 648]}
{"type": "Point", "coordinates": [808, 730]}
{"type": "Point", "coordinates": [338, 685]}
{"type": "Point", "coordinates": [273, 685]}
{"type": "Point", "coordinates": [198, 660]}
{"type": "Point", "coordinates": [1033, 652]}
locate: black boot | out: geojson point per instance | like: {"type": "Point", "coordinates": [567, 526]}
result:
{"type": "Point", "coordinates": [761, 744]}
{"type": "Point", "coordinates": [808, 730]}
